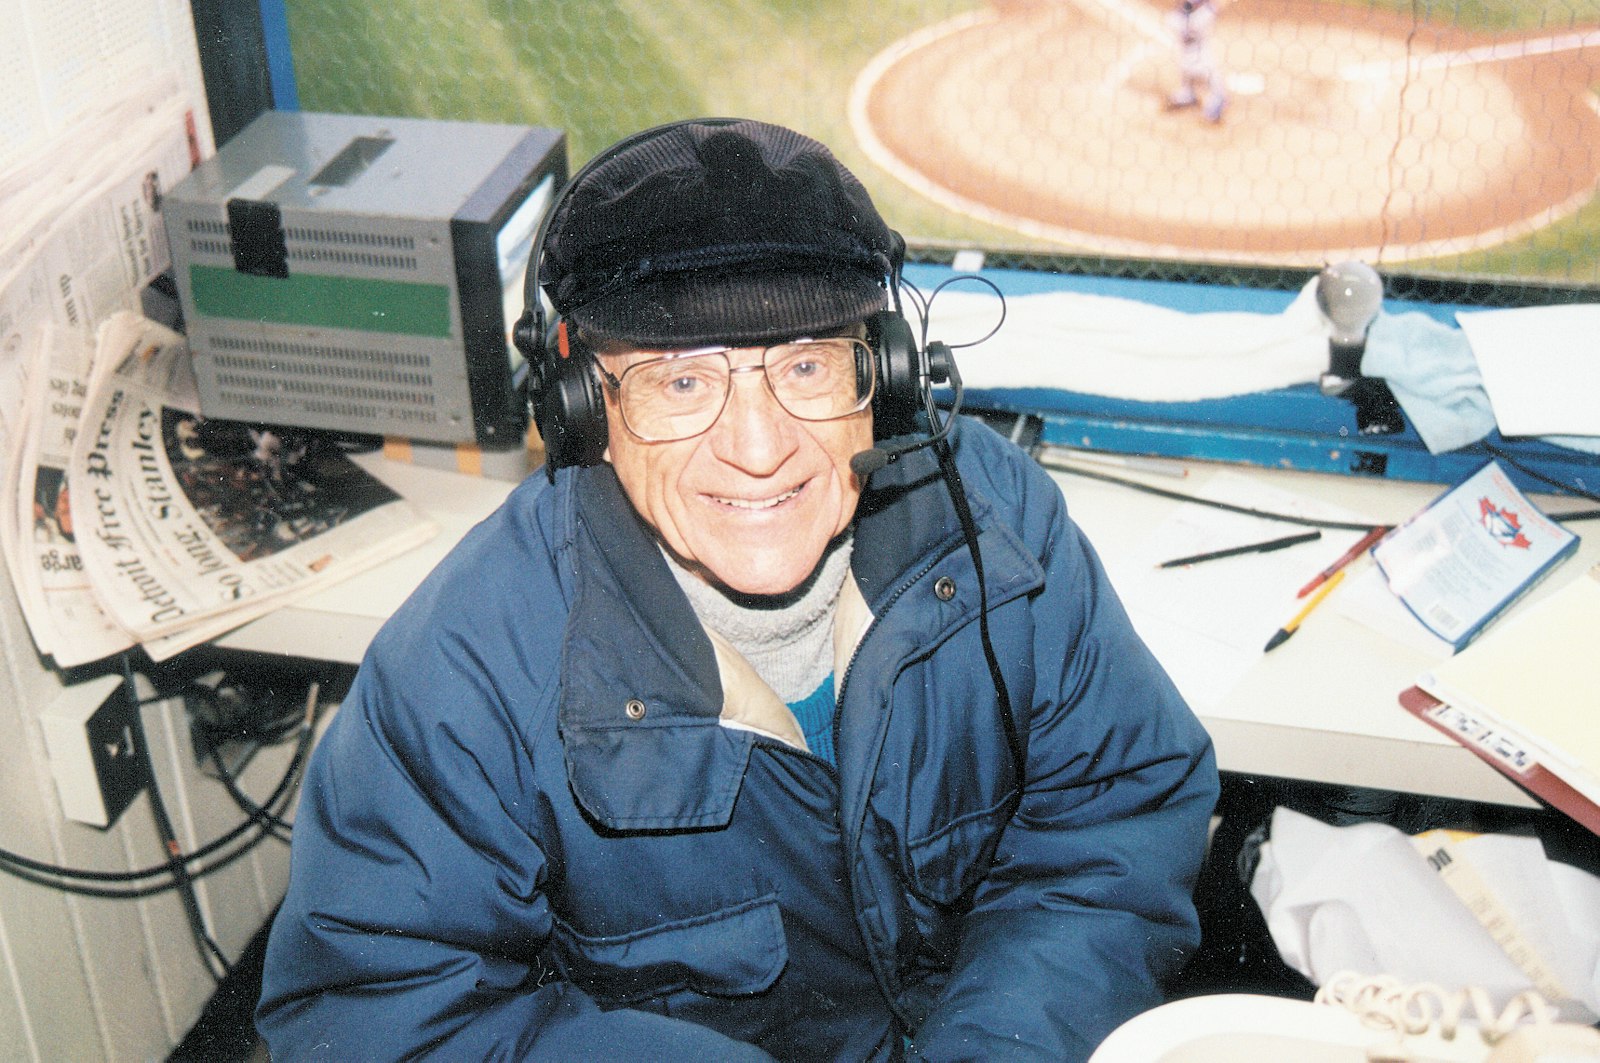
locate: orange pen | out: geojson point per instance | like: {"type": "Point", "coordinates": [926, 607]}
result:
{"type": "Point", "coordinates": [1345, 558]}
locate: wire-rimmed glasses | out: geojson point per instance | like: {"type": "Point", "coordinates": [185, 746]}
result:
{"type": "Point", "coordinates": [681, 394]}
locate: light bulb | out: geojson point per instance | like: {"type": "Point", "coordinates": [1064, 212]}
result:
{"type": "Point", "coordinates": [1350, 295]}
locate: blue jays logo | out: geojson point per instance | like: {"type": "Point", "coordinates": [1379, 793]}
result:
{"type": "Point", "coordinates": [1502, 525]}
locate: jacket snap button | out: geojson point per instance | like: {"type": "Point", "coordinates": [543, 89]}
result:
{"type": "Point", "coordinates": [634, 709]}
{"type": "Point", "coordinates": [945, 588]}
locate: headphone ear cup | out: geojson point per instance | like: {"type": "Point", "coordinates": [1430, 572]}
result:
{"type": "Point", "coordinates": [568, 409]}
{"type": "Point", "coordinates": [898, 398]}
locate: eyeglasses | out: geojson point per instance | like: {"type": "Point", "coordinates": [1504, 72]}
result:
{"type": "Point", "coordinates": [682, 394]}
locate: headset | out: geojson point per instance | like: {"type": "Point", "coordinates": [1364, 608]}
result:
{"type": "Point", "coordinates": [568, 407]}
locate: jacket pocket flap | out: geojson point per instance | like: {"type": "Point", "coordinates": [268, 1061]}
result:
{"type": "Point", "coordinates": [736, 951]}
{"type": "Point", "coordinates": [677, 775]}
{"type": "Point", "coordinates": [946, 864]}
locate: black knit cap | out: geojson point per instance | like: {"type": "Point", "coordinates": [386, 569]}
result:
{"type": "Point", "coordinates": [716, 231]}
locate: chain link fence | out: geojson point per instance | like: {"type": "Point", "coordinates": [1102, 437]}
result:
{"type": "Point", "coordinates": [1453, 144]}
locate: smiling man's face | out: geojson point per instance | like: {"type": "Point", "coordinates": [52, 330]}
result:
{"type": "Point", "coordinates": [753, 502]}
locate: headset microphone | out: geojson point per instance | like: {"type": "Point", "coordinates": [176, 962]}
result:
{"type": "Point", "coordinates": [938, 366]}
{"type": "Point", "coordinates": [868, 462]}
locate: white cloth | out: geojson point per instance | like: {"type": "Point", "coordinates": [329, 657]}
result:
{"type": "Point", "coordinates": [1363, 898]}
{"type": "Point", "coordinates": [1125, 348]}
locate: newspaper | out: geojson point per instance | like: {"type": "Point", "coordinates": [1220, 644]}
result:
{"type": "Point", "coordinates": [41, 549]}
{"type": "Point", "coordinates": [16, 513]}
{"type": "Point", "coordinates": [73, 252]}
{"type": "Point", "coordinates": [187, 527]}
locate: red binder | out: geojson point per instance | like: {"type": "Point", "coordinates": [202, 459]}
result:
{"type": "Point", "coordinates": [1530, 775]}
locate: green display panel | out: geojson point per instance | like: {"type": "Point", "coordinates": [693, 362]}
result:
{"type": "Point", "coordinates": [398, 307]}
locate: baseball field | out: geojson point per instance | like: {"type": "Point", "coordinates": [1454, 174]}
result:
{"type": "Point", "coordinates": [1459, 140]}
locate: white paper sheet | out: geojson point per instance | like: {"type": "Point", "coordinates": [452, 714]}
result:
{"type": "Point", "coordinates": [1207, 623]}
{"type": "Point", "coordinates": [1540, 366]}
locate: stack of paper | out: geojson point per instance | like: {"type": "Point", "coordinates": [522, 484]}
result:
{"type": "Point", "coordinates": [1526, 698]}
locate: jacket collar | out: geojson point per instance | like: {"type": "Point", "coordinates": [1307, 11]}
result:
{"type": "Point", "coordinates": [904, 520]}
{"type": "Point", "coordinates": [640, 695]}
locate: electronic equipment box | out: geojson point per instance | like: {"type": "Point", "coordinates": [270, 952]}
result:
{"type": "Point", "coordinates": [362, 274]}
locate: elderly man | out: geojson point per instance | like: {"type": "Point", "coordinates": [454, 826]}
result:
{"type": "Point", "coordinates": [704, 748]}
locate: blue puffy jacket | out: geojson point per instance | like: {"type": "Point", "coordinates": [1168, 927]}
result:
{"type": "Point", "coordinates": [529, 834]}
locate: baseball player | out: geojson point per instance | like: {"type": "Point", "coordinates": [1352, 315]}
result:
{"type": "Point", "coordinates": [1192, 23]}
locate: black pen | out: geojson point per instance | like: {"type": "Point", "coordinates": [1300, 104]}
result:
{"type": "Point", "coordinates": [1252, 548]}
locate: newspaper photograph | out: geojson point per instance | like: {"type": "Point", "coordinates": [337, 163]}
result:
{"type": "Point", "coordinates": [186, 523]}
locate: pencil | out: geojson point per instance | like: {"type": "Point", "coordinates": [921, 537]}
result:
{"type": "Point", "coordinates": [1345, 558]}
{"type": "Point", "coordinates": [1249, 548]}
{"type": "Point", "coordinates": [1281, 636]}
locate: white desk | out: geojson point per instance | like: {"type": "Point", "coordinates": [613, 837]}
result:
{"type": "Point", "coordinates": [1322, 707]}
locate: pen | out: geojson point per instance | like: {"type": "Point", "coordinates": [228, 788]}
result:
{"type": "Point", "coordinates": [1282, 634]}
{"type": "Point", "coordinates": [1250, 548]}
{"type": "Point", "coordinates": [1345, 558]}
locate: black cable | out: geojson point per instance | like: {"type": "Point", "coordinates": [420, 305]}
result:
{"type": "Point", "coordinates": [1521, 466]}
{"type": "Point", "coordinates": [233, 713]}
{"type": "Point", "coordinates": [17, 863]}
{"type": "Point", "coordinates": [129, 893]}
{"type": "Point", "coordinates": [939, 440]}
{"type": "Point", "coordinates": [26, 867]}
{"type": "Point", "coordinates": [1289, 518]}
{"type": "Point", "coordinates": [924, 306]}
{"type": "Point", "coordinates": [275, 824]}
{"type": "Point", "coordinates": [37, 872]}
{"type": "Point", "coordinates": [969, 531]}
{"type": "Point", "coordinates": [211, 954]}
{"type": "Point", "coordinates": [50, 874]}
{"type": "Point", "coordinates": [9, 859]}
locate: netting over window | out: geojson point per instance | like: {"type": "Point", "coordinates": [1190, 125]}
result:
{"type": "Point", "coordinates": [1458, 139]}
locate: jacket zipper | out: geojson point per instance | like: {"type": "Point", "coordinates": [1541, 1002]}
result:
{"type": "Point", "coordinates": [899, 592]}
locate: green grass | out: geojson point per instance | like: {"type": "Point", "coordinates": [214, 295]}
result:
{"type": "Point", "coordinates": [604, 68]}
{"type": "Point", "coordinates": [1563, 253]}
{"type": "Point", "coordinates": [1500, 16]}
{"type": "Point", "coordinates": [601, 69]}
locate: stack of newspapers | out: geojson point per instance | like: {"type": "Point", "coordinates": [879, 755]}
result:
{"type": "Point", "coordinates": [128, 519]}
